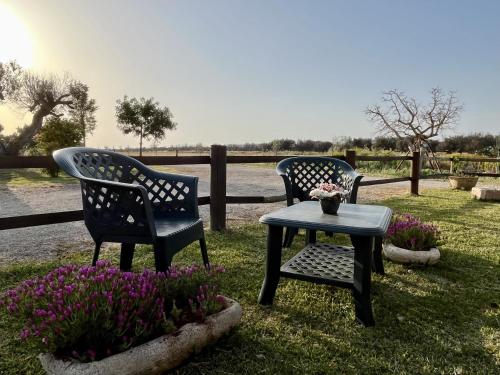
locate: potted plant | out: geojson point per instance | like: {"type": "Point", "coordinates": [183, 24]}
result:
{"type": "Point", "coordinates": [99, 320]}
{"type": "Point", "coordinates": [462, 180]}
{"type": "Point", "coordinates": [330, 196]}
{"type": "Point", "coordinates": [409, 240]}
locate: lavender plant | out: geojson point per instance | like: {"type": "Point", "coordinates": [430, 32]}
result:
{"type": "Point", "coordinates": [408, 232]}
{"type": "Point", "coordinates": [88, 313]}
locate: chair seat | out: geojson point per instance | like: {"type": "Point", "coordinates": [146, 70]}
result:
{"type": "Point", "coordinates": [169, 227]}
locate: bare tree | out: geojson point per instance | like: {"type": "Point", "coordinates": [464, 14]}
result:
{"type": "Point", "coordinates": [405, 118]}
{"type": "Point", "coordinates": [42, 95]}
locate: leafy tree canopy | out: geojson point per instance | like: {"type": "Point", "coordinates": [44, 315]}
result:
{"type": "Point", "coordinates": [82, 110]}
{"type": "Point", "coordinates": [55, 134]}
{"type": "Point", "coordinates": [143, 118]}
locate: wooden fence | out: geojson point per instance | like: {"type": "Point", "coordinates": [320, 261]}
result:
{"type": "Point", "coordinates": [218, 199]}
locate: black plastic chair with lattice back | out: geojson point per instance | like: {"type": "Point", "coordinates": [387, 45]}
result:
{"type": "Point", "coordinates": [126, 202]}
{"type": "Point", "coordinates": [303, 173]}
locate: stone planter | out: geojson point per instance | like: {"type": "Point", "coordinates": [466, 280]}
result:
{"type": "Point", "coordinates": [463, 182]}
{"type": "Point", "coordinates": [399, 255]}
{"type": "Point", "coordinates": [486, 193]}
{"type": "Point", "coordinates": [156, 356]}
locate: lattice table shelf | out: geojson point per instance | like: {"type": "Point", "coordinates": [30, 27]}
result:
{"type": "Point", "coordinates": [322, 263]}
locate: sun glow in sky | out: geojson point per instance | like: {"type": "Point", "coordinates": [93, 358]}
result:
{"type": "Point", "coordinates": [15, 39]}
{"type": "Point", "coordinates": [253, 71]}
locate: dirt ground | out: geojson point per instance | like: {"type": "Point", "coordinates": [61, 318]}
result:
{"type": "Point", "coordinates": [51, 241]}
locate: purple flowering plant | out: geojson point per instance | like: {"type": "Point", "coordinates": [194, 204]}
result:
{"type": "Point", "coordinates": [89, 313]}
{"type": "Point", "coordinates": [409, 232]}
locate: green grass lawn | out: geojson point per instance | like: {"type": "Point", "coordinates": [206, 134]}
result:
{"type": "Point", "coordinates": [32, 177]}
{"type": "Point", "coordinates": [443, 319]}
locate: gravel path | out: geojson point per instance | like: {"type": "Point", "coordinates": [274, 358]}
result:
{"type": "Point", "coordinates": [51, 241]}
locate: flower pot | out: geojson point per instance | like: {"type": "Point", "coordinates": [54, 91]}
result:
{"type": "Point", "coordinates": [330, 206]}
{"type": "Point", "coordinates": [404, 256]}
{"type": "Point", "coordinates": [463, 182]}
{"type": "Point", "coordinates": [155, 356]}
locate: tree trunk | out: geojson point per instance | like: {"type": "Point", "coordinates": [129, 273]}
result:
{"type": "Point", "coordinates": [84, 131]}
{"type": "Point", "coordinates": [140, 144]}
{"type": "Point", "coordinates": [14, 143]}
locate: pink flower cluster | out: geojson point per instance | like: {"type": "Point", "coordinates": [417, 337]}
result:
{"type": "Point", "coordinates": [88, 313]}
{"type": "Point", "coordinates": [408, 232]}
{"type": "Point", "coordinates": [326, 190]}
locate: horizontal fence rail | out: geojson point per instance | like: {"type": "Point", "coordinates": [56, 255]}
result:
{"type": "Point", "coordinates": [384, 181]}
{"type": "Point", "coordinates": [236, 159]}
{"type": "Point", "coordinates": [34, 220]}
{"type": "Point", "coordinates": [382, 158]}
{"type": "Point", "coordinates": [14, 162]}
{"type": "Point", "coordinates": [479, 160]}
{"type": "Point", "coordinates": [253, 199]}
{"type": "Point", "coordinates": [218, 198]}
{"type": "Point", "coordinates": [22, 221]}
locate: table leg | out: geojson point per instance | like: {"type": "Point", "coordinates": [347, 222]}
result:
{"type": "Point", "coordinates": [377, 263]}
{"type": "Point", "coordinates": [362, 279]}
{"type": "Point", "coordinates": [273, 264]}
{"type": "Point", "coordinates": [310, 236]}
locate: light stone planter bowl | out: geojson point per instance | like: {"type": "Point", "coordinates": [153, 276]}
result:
{"type": "Point", "coordinates": [399, 255]}
{"type": "Point", "coordinates": [156, 356]}
{"type": "Point", "coordinates": [463, 182]}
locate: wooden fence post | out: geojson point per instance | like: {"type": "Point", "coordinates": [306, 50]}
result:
{"type": "Point", "coordinates": [415, 172]}
{"type": "Point", "coordinates": [218, 160]}
{"type": "Point", "coordinates": [350, 158]}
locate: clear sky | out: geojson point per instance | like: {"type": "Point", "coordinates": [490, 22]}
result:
{"type": "Point", "coordinates": [251, 71]}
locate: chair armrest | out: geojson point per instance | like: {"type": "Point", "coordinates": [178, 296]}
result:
{"type": "Point", "coordinates": [288, 189]}
{"type": "Point", "coordinates": [117, 208]}
{"type": "Point", "coordinates": [189, 181]}
{"type": "Point", "coordinates": [352, 184]}
{"type": "Point", "coordinates": [184, 200]}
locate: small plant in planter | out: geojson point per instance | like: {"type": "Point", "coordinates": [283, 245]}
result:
{"type": "Point", "coordinates": [329, 196]}
{"type": "Point", "coordinates": [409, 240]}
{"type": "Point", "coordinates": [103, 320]}
{"type": "Point", "coordinates": [461, 179]}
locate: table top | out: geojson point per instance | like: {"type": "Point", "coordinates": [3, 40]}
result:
{"type": "Point", "coordinates": [356, 219]}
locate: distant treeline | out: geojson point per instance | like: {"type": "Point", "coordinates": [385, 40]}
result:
{"type": "Point", "coordinates": [476, 143]}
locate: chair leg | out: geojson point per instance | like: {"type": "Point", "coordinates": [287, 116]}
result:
{"type": "Point", "coordinates": [377, 263]}
{"type": "Point", "coordinates": [126, 256]}
{"type": "Point", "coordinates": [163, 258]}
{"type": "Point", "coordinates": [96, 252]}
{"type": "Point", "coordinates": [289, 235]}
{"type": "Point", "coordinates": [204, 254]}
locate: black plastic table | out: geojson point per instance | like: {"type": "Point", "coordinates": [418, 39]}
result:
{"type": "Point", "coordinates": [348, 267]}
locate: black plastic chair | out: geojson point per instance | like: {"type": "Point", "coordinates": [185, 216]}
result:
{"type": "Point", "coordinates": [126, 202]}
{"type": "Point", "coordinates": [303, 173]}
